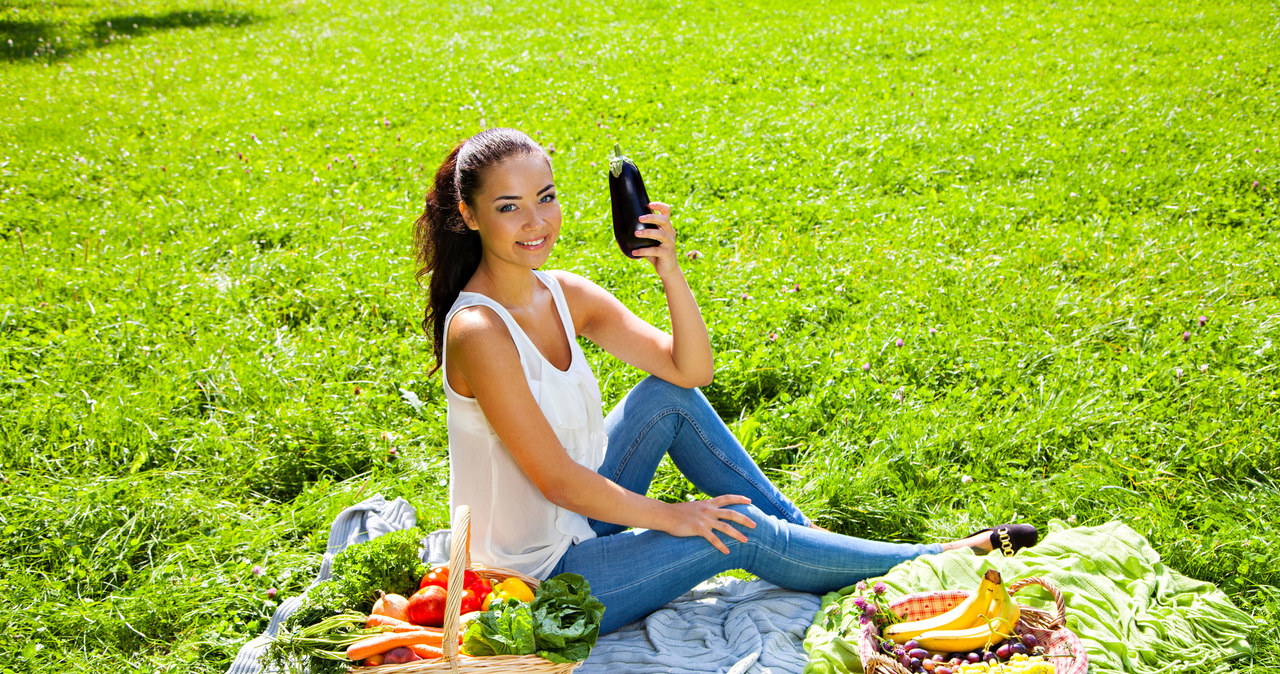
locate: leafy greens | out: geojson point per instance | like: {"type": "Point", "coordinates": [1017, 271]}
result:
{"type": "Point", "coordinates": [560, 625]}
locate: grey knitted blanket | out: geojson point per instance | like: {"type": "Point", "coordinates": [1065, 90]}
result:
{"type": "Point", "coordinates": [725, 625]}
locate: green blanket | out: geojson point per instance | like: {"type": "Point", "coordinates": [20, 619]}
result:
{"type": "Point", "coordinates": [1133, 613]}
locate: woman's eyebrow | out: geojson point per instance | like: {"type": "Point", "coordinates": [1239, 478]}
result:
{"type": "Point", "coordinates": [516, 198]}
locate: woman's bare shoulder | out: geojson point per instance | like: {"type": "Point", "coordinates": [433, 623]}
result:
{"type": "Point", "coordinates": [475, 326]}
{"type": "Point", "coordinates": [583, 296]}
{"type": "Point", "coordinates": [576, 286]}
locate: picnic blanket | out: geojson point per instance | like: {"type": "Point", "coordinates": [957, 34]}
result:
{"type": "Point", "coordinates": [725, 625]}
{"type": "Point", "coordinates": [1133, 613]}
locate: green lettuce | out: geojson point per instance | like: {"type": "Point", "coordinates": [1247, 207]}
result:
{"type": "Point", "coordinates": [566, 618]}
{"type": "Point", "coordinates": [505, 629]}
{"type": "Point", "coordinates": [560, 625]}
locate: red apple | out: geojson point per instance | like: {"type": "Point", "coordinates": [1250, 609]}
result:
{"type": "Point", "coordinates": [426, 606]}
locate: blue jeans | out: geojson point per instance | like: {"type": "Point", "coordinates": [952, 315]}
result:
{"type": "Point", "coordinates": [635, 571]}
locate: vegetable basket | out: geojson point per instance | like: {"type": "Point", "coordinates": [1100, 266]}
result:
{"type": "Point", "coordinates": [453, 661]}
{"type": "Point", "coordinates": [1062, 646]}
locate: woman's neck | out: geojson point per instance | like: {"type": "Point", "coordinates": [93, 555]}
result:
{"type": "Point", "coordinates": [508, 285]}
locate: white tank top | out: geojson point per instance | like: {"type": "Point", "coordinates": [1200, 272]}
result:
{"type": "Point", "coordinates": [513, 526]}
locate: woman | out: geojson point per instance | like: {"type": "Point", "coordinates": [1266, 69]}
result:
{"type": "Point", "coordinates": [553, 486]}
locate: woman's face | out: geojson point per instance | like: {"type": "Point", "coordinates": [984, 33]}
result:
{"type": "Point", "coordinates": [516, 211]}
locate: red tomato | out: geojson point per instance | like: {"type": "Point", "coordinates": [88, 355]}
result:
{"type": "Point", "coordinates": [470, 601]}
{"type": "Point", "coordinates": [475, 587]}
{"type": "Point", "coordinates": [438, 576]}
{"type": "Point", "coordinates": [480, 586]}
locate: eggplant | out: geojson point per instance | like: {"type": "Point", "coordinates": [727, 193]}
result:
{"type": "Point", "coordinates": [630, 201]}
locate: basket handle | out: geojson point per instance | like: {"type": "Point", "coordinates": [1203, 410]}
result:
{"type": "Point", "coordinates": [1058, 602]}
{"type": "Point", "coordinates": [459, 560]}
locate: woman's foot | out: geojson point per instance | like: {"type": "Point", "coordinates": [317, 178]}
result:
{"type": "Point", "coordinates": [1008, 538]}
{"type": "Point", "coordinates": [979, 542]}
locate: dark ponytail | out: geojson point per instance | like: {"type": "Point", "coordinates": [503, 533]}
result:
{"type": "Point", "coordinates": [446, 248]}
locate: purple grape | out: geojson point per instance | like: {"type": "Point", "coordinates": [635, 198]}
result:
{"type": "Point", "coordinates": [938, 657]}
{"type": "Point", "coordinates": [974, 658]}
{"type": "Point", "coordinates": [1004, 651]}
{"type": "Point", "coordinates": [918, 653]}
{"type": "Point", "coordinates": [928, 665]}
{"type": "Point", "coordinates": [1029, 640]}
{"type": "Point", "coordinates": [915, 664]}
{"type": "Point", "coordinates": [911, 645]}
{"type": "Point", "coordinates": [990, 656]}
{"type": "Point", "coordinates": [904, 661]}
{"type": "Point", "coordinates": [1019, 649]}
{"type": "Point", "coordinates": [942, 670]}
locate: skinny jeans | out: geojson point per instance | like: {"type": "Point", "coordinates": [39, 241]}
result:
{"type": "Point", "coordinates": [635, 571]}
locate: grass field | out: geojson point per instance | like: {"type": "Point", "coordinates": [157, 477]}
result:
{"type": "Point", "coordinates": [1065, 211]}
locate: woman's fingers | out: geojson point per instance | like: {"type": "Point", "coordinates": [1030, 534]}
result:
{"type": "Point", "coordinates": [726, 517]}
{"type": "Point", "coordinates": [731, 530]}
{"type": "Point", "coordinates": [712, 517]}
{"type": "Point", "coordinates": [661, 216]}
{"type": "Point", "coordinates": [716, 542]}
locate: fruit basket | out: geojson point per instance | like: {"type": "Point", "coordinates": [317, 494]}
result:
{"type": "Point", "coordinates": [453, 661]}
{"type": "Point", "coordinates": [1061, 645]}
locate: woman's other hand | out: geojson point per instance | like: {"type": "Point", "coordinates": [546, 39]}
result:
{"type": "Point", "coordinates": [704, 518]}
{"type": "Point", "coordinates": [663, 255]}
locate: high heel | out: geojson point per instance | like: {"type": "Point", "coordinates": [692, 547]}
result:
{"type": "Point", "coordinates": [1010, 538]}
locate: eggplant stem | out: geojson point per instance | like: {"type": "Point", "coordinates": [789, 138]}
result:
{"type": "Point", "coordinates": [617, 160]}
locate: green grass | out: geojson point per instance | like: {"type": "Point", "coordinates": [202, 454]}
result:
{"type": "Point", "coordinates": [209, 320]}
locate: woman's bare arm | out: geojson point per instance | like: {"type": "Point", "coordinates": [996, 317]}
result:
{"type": "Point", "coordinates": [682, 357]}
{"type": "Point", "coordinates": [486, 357]}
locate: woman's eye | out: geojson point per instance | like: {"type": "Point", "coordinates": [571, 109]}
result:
{"type": "Point", "coordinates": [506, 208]}
{"type": "Point", "coordinates": [548, 198]}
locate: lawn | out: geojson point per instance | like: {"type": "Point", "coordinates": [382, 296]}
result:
{"type": "Point", "coordinates": [1032, 243]}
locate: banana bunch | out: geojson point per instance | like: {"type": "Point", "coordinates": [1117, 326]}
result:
{"type": "Point", "coordinates": [985, 618]}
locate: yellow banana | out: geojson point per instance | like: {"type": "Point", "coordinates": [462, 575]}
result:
{"type": "Point", "coordinates": [963, 615]}
{"type": "Point", "coordinates": [994, 625]}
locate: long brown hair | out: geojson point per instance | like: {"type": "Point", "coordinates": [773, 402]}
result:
{"type": "Point", "coordinates": [446, 248]}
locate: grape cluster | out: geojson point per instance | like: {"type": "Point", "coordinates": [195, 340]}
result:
{"type": "Point", "coordinates": [1021, 654]}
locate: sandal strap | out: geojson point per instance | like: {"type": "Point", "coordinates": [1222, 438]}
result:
{"type": "Point", "coordinates": [1006, 545]}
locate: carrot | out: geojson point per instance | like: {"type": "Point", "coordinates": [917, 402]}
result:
{"type": "Point", "coordinates": [396, 624]}
{"type": "Point", "coordinates": [381, 643]}
{"type": "Point", "coordinates": [427, 652]}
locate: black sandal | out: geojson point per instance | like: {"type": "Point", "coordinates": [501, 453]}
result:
{"type": "Point", "coordinates": [1010, 538]}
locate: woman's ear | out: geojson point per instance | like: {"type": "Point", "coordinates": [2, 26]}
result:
{"type": "Point", "coordinates": [466, 217]}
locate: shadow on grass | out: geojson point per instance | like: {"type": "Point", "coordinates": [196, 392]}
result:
{"type": "Point", "coordinates": [43, 40]}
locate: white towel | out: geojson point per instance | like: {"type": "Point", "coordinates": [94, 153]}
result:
{"type": "Point", "coordinates": [723, 625]}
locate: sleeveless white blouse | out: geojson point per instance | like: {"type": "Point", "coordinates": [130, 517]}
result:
{"type": "Point", "coordinates": [513, 525]}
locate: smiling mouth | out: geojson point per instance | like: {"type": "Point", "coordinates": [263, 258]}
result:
{"type": "Point", "coordinates": [532, 244]}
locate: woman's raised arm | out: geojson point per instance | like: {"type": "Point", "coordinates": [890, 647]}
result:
{"type": "Point", "coordinates": [683, 357]}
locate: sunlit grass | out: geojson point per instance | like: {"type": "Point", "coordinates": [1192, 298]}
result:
{"type": "Point", "coordinates": [209, 320]}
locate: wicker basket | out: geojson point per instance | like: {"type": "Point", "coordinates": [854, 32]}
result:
{"type": "Point", "coordinates": [453, 661]}
{"type": "Point", "coordinates": [1061, 645]}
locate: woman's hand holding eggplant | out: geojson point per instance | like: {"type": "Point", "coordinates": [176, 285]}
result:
{"type": "Point", "coordinates": [663, 256]}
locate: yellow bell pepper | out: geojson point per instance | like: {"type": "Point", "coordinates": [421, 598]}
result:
{"type": "Point", "coordinates": [510, 588]}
